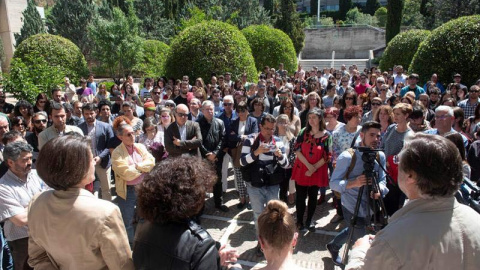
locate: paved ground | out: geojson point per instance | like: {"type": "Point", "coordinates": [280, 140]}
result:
{"type": "Point", "coordinates": [236, 228]}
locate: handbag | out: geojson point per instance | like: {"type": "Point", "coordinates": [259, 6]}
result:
{"type": "Point", "coordinates": [273, 173]}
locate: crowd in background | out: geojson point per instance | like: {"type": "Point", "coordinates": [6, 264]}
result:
{"type": "Point", "coordinates": [283, 135]}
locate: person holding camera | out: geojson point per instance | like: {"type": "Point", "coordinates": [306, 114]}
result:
{"type": "Point", "coordinates": [262, 156]}
{"type": "Point", "coordinates": [433, 230]}
{"type": "Point", "coordinates": [347, 179]}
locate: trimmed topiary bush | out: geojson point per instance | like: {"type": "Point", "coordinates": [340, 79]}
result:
{"type": "Point", "coordinates": [451, 48]}
{"type": "Point", "coordinates": [57, 51]}
{"type": "Point", "coordinates": [402, 48]}
{"type": "Point", "coordinates": [154, 57]}
{"type": "Point", "coordinates": [207, 47]}
{"type": "Point", "coordinates": [40, 63]}
{"type": "Point", "coordinates": [270, 47]}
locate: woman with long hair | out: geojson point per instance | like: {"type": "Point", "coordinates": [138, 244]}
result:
{"type": "Point", "coordinates": [313, 149]}
{"type": "Point", "coordinates": [102, 93]}
{"type": "Point", "coordinates": [288, 107]}
{"type": "Point", "coordinates": [41, 103]}
{"type": "Point", "coordinates": [349, 99]}
{"type": "Point", "coordinates": [384, 116]}
{"type": "Point", "coordinates": [24, 109]}
{"type": "Point", "coordinates": [284, 132]}
{"type": "Point", "coordinates": [473, 122]}
{"type": "Point", "coordinates": [312, 101]}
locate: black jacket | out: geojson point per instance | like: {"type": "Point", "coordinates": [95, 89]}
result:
{"type": "Point", "coordinates": [213, 135]}
{"type": "Point", "coordinates": [175, 246]}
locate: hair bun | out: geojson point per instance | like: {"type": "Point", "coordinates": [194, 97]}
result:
{"type": "Point", "coordinates": [276, 210]}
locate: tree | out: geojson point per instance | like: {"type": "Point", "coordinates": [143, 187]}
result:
{"type": "Point", "coordinates": [32, 23]}
{"type": "Point", "coordinates": [371, 6]}
{"type": "Point", "coordinates": [354, 16]}
{"type": "Point", "coordinates": [153, 24]}
{"type": "Point", "coordinates": [268, 6]}
{"type": "Point", "coordinates": [381, 15]}
{"type": "Point", "coordinates": [402, 48]}
{"type": "Point", "coordinates": [344, 7]}
{"type": "Point", "coordinates": [394, 19]}
{"type": "Point", "coordinates": [70, 19]}
{"type": "Point", "coordinates": [279, 46]}
{"type": "Point", "coordinates": [289, 22]}
{"type": "Point", "coordinates": [2, 53]}
{"type": "Point", "coordinates": [437, 12]}
{"type": "Point", "coordinates": [154, 56]}
{"type": "Point", "coordinates": [40, 63]}
{"type": "Point", "coordinates": [412, 18]}
{"type": "Point", "coordinates": [449, 49]}
{"type": "Point", "coordinates": [117, 44]}
{"type": "Point", "coordinates": [210, 46]}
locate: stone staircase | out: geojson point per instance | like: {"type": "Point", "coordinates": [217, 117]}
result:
{"type": "Point", "coordinates": [308, 64]}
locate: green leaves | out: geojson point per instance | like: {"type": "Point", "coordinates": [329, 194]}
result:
{"type": "Point", "coordinates": [270, 47]}
{"type": "Point", "coordinates": [207, 47]}
{"type": "Point", "coordinates": [401, 49]}
{"type": "Point", "coordinates": [451, 48]}
{"type": "Point", "coordinates": [32, 23]}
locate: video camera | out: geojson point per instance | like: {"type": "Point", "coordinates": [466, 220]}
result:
{"type": "Point", "coordinates": [469, 194]}
{"type": "Point", "coordinates": [369, 156]}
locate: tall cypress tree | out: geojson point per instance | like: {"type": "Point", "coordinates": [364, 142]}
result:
{"type": "Point", "coordinates": [32, 23]}
{"type": "Point", "coordinates": [344, 7]}
{"type": "Point", "coordinates": [394, 19]}
{"type": "Point", "coordinates": [268, 6]}
{"type": "Point", "coordinates": [290, 23]}
{"type": "Point", "coordinates": [371, 6]}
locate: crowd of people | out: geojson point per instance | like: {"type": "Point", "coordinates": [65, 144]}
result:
{"type": "Point", "coordinates": [90, 174]}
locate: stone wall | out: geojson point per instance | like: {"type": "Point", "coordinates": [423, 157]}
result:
{"type": "Point", "coordinates": [10, 23]}
{"type": "Point", "coordinates": [347, 42]}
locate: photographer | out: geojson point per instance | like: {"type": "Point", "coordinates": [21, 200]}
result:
{"type": "Point", "coordinates": [433, 230]}
{"type": "Point", "coordinates": [262, 154]}
{"type": "Point", "coordinates": [347, 181]}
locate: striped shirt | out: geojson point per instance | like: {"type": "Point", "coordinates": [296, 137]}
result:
{"type": "Point", "coordinates": [265, 158]}
{"type": "Point", "coordinates": [15, 195]}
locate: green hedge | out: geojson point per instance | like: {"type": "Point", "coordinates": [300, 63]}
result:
{"type": "Point", "coordinates": [154, 57]}
{"type": "Point", "coordinates": [40, 63]}
{"type": "Point", "coordinates": [270, 47]}
{"type": "Point", "coordinates": [451, 48]}
{"type": "Point", "coordinates": [57, 51]}
{"type": "Point", "coordinates": [402, 48]}
{"type": "Point", "coordinates": [207, 47]}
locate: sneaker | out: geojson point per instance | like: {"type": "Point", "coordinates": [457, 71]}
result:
{"type": "Point", "coordinates": [334, 255]}
{"type": "Point", "coordinates": [222, 208]}
{"type": "Point", "coordinates": [311, 227]}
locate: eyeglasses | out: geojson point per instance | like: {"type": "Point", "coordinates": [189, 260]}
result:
{"type": "Point", "coordinates": [227, 104]}
{"type": "Point", "coordinates": [156, 93]}
{"type": "Point", "coordinates": [40, 121]}
{"type": "Point", "coordinates": [170, 105]}
{"type": "Point", "coordinates": [241, 111]}
{"type": "Point", "coordinates": [42, 101]}
{"type": "Point", "coordinates": [19, 124]}
{"type": "Point", "coordinates": [165, 116]}
{"type": "Point", "coordinates": [182, 114]}
{"type": "Point", "coordinates": [349, 98]}
{"type": "Point", "coordinates": [383, 89]}
{"type": "Point", "coordinates": [376, 104]}
{"type": "Point", "coordinates": [473, 91]}
{"type": "Point", "coordinates": [288, 107]}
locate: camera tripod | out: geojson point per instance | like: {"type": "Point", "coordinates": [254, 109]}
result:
{"type": "Point", "coordinates": [372, 187]}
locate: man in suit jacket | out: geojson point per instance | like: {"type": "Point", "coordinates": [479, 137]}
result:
{"type": "Point", "coordinates": [183, 136]}
{"type": "Point", "coordinates": [100, 134]}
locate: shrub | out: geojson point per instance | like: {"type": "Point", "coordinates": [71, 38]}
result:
{"type": "Point", "coordinates": [154, 56]}
{"type": "Point", "coordinates": [207, 47]}
{"type": "Point", "coordinates": [270, 47]}
{"type": "Point", "coordinates": [40, 63]}
{"type": "Point", "coordinates": [57, 52]}
{"type": "Point", "coordinates": [451, 48]}
{"type": "Point", "coordinates": [401, 49]}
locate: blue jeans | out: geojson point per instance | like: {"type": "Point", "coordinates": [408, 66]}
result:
{"type": "Point", "coordinates": [127, 208]}
{"type": "Point", "coordinates": [259, 197]}
{"type": "Point", "coordinates": [341, 237]}
{"type": "Point", "coordinates": [6, 262]}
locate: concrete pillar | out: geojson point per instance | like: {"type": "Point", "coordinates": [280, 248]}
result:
{"type": "Point", "coordinates": [10, 23]}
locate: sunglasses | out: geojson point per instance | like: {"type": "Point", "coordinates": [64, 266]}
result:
{"type": "Point", "coordinates": [182, 114]}
{"type": "Point", "coordinates": [156, 93]}
{"type": "Point", "coordinates": [473, 91]}
{"type": "Point", "coordinates": [40, 121]}
{"type": "Point", "coordinates": [349, 98]}
{"type": "Point", "coordinates": [227, 104]}
{"type": "Point", "coordinates": [376, 104]}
